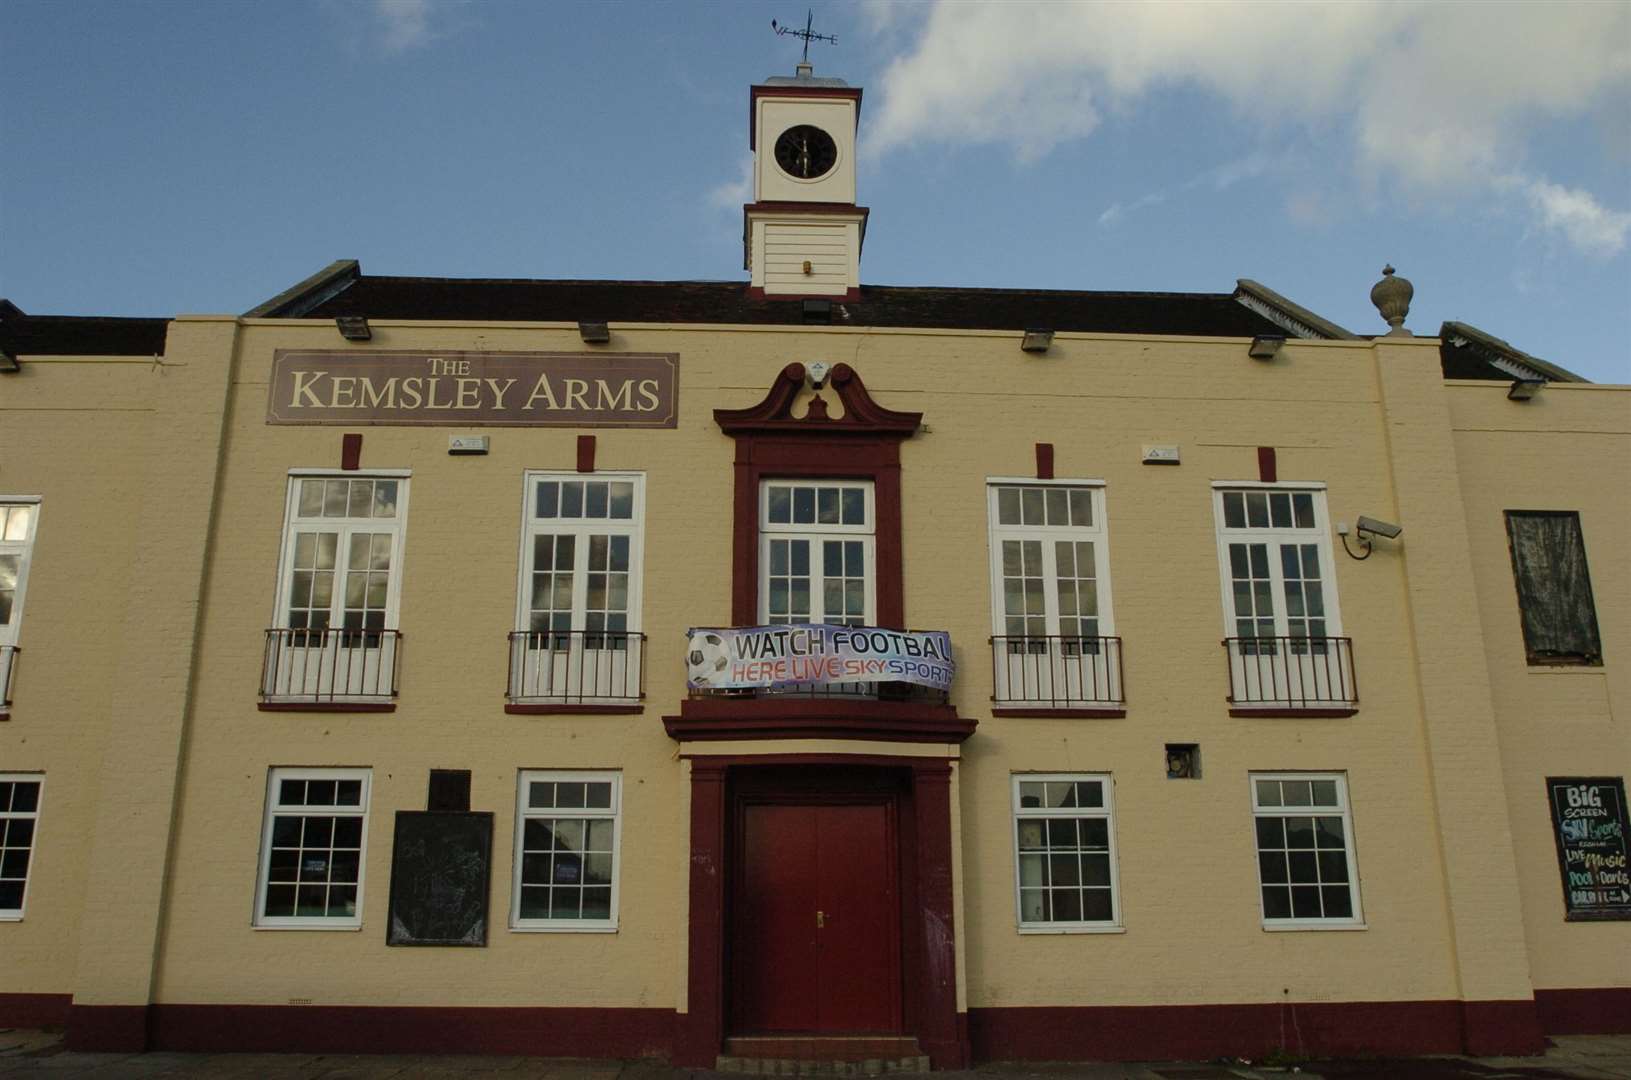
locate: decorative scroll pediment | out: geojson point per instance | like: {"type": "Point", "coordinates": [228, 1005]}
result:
{"type": "Point", "coordinates": [862, 415]}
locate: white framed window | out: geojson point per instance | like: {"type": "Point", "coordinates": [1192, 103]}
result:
{"type": "Point", "coordinates": [1052, 627]}
{"type": "Point", "coordinates": [1065, 852]}
{"type": "Point", "coordinates": [1282, 628]}
{"type": "Point", "coordinates": [578, 604]}
{"type": "Point", "coordinates": [18, 521]}
{"type": "Point", "coordinates": [568, 835]}
{"type": "Point", "coordinates": [1305, 850]}
{"type": "Point", "coordinates": [817, 552]}
{"type": "Point", "coordinates": [335, 624]}
{"type": "Point", "coordinates": [314, 845]}
{"type": "Point", "coordinates": [1275, 554]}
{"type": "Point", "coordinates": [19, 816]}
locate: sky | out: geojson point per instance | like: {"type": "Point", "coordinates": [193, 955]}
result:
{"type": "Point", "coordinates": [190, 156]}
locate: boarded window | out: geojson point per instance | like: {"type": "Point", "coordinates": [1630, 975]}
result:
{"type": "Point", "coordinates": [1554, 587]}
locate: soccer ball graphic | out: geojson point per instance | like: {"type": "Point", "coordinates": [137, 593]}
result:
{"type": "Point", "coordinates": [708, 660]}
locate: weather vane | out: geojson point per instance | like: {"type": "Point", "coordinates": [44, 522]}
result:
{"type": "Point", "coordinates": [807, 34]}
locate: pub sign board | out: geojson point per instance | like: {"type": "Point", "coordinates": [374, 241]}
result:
{"type": "Point", "coordinates": [474, 389]}
{"type": "Point", "coordinates": [1589, 824]}
{"type": "Point", "coordinates": [441, 866]}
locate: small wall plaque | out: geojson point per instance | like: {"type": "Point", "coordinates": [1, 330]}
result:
{"type": "Point", "coordinates": [1161, 455]}
{"type": "Point", "coordinates": [466, 444]}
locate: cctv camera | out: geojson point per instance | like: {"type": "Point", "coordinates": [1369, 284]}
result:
{"type": "Point", "coordinates": [1385, 529]}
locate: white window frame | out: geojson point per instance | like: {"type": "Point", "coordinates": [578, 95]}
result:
{"type": "Point", "coordinates": [815, 533]}
{"type": "Point", "coordinates": [562, 676]}
{"type": "Point", "coordinates": [1061, 674]}
{"type": "Point", "coordinates": [523, 812]}
{"type": "Point", "coordinates": [22, 546]}
{"type": "Point", "coordinates": [279, 685]}
{"type": "Point", "coordinates": [1342, 810]}
{"type": "Point", "coordinates": [1019, 815]}
{"type": "Point", "coordinates": [6, 814]}
{"type": "Point", "coordinates": [1318, 534]}
{"type": "Point", "coordinates": [274, 778]}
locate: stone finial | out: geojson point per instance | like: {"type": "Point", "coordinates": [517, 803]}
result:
{"type": "Point", "coordinates": [1392, 297]}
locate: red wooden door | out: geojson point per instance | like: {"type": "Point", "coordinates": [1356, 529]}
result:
{"type": "Point", "coordinates": [817, 919]}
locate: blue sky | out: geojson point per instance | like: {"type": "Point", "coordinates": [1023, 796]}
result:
{"type": "Point", "coordinates": [177, 156]}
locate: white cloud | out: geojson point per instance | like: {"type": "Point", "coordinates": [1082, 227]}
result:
{"type": "Point", "coordinates": [1438, 96]}
{"type": "Point", "coordinates": [732, 194]}
{"type": "Point", "coordinates": [1218, 178]}
{"type": "Point", "coordinates": [406, 24]}
{"type": "Point", "coordinates": [1580, 218]}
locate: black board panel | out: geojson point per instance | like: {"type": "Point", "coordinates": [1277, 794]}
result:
{"type": "Point", "coordinates": [441, 866]}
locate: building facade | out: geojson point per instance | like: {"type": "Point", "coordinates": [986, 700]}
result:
{"type": "Point", "coordinates": [355, 657]}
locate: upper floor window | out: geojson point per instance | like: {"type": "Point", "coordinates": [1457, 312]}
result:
{"type": "Point", "coordinates": [338, 586]}
{"type": "Point", "coordinates": [1280, 604]}
{"type": "Point", "coordinates": [17, 523]}
{"type": "Point", "coordinates": [19, 813]}
{"type": "Point", "coordinates": [578, 611]}
{"type": "Point", "coordinates": [1053, 636]}
{"type": "Point", "coordinates": [817, 552]}
{"type": "Point", "coordinates": [1554, 587]}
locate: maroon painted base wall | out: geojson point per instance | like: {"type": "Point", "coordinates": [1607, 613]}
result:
{"type": "Point", "coordinates": [34, 1010]}
{"type": "Point", "coordinates": [362, 1029]}
{"type": "Point", "coordinates": [1603, 1011]}
{"type": "Point", "coordinates": [1197, 1032]}
{"type": "Point", "coordinates": [1088, 1033]}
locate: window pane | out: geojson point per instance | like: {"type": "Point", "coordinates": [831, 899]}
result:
{"type": "Point", "coordinates": [1325, 794]}
{"type": "Point", "coordinates": [854, 506]}
{"type": "Point", "coordinates": [361, 502]}
{"type": "Point", "coordinates": [781, 505]}
{"type": "Point", "coordinates": [827, 506]}
{"type": "Point", "coordinates": [1276, 902]}
{"type": "Point", "coordinates": [1031, 506]}
{"type": "Point", "coordinates": [548, 498]}
{"type": "Point", "coordinates": [804, 506]}
{"type": "Point", "coordinates": [1008, 506]}
{"type": "Point", "coordinates": [1058, 506]}
{"type": "Point", "coordinates": [1268, 793]}
{"type": "Point", "coordinates": [1081, 507]}
{"type": "Point", "coordinates": [572, 499]}
{"type": "Point", "coordinates": [1030, 793]}
{"type": "Point", "coordinates": [1234, 510]}
{"type": "Point", "coordinates": [1302, 505]}
{"type": "Point", "coordinates": [1257, 510]}
{"type": "Point", "coordinates": [622, 505]}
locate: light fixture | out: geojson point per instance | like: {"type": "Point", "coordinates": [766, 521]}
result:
{"type": "Point", "coordinates": [1367, 527]}
{"type": "Point", "coordinates": [1265, 346]}
{"type": "Point", "coordinates": [8, 362]}
{"type": "Point", "coordinates": [354, 328]}
{"type": "Point", "coordinates": [594, 333]}
{"type": "Point", "coordinates": [1524, 389]}
{"type": "Point", "coordinates": [1036, 339]}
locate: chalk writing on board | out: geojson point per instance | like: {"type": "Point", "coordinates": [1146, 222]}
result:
{"type": "Point", "coordinates": [440, 873]}
{"type": "Point", "coordinates": [1590, 827]}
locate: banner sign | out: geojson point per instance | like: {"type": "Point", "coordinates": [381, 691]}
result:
{"type": "Point", "coordinates": [728, 658]}
{"type": "Point", "coordinates": [468, 389]}
{"type": "Point", "coordinates": [1589, 824]}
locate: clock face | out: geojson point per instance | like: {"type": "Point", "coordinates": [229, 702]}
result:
{"type": "Point", "coordinates": [806, 152]}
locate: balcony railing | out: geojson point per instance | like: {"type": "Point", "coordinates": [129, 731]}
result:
{"type": "Point", "coordinates": [577, 667]}
{"type": "Point", "coordinates": [1291, 673]}
{"type": "Point", "coordinates": [330, 666]}
{"type": "Point", "coordinates": [8, 664]}
{"type": "Point", "coordinates": [1056, 672]}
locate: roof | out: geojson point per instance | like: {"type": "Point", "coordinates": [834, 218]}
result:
{"type": "Point", "coordinates": [1467, 352]}
{"type": "Point", "coordinates": [342, 290]}
{"type": "Point", "coordinates": [22, 334]}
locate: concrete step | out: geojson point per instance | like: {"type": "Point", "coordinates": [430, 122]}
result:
{"type": "Point", "coordinates": [814, 1066]}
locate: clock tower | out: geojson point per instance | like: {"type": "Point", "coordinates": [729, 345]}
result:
{"type": "Point", "coordinates": [802, 233]}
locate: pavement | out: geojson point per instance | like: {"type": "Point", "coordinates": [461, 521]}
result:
{"type": "Point", "coordinates": [41, 1054]}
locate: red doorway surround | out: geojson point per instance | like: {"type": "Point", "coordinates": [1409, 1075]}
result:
{"type": "Point", "coordinates": [928, 957]}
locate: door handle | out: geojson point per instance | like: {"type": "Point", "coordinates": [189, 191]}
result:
{"type": "Point", "coordinates": [821, 919]}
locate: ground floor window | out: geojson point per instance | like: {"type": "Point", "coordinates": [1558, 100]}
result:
{"type": "Point", "coordinates": [1305, 853]}
{"type": "Point", "coordinates": [311, 865]}
{"type": "Point", "coordinates": [19, 812]}
{"type": "Point", "coordinates": [1065, 847]}
{"type": "Point", "coordinates": [567, 835]}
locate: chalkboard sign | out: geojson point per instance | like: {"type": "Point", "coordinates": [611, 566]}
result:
{"type": "Point", "coordinates": [1589, 824]}
{"type": "Point", "coordinates": [440, 869]}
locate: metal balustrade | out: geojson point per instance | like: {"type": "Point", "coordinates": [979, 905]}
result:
{"type": "Point", "coordinates": [1056, 672]}
{"type": "Point", "coordinates": [330, 665]}
{"type": "Point", "coordinates": [1291, 673]}
{"type": "Point", "coordinates": [588, 667]}
{"type": "Point", "coordinates": [8, 665]}
{"type": "Point", "coordinates": [854, 691]}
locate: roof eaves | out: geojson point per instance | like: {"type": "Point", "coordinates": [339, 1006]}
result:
{"type": "Point", "coordinates": [1504, 355]}
{"type": "Point", "coordinates": [301, 298]}
{"type": "Point", "coordinates": [1288, 314]}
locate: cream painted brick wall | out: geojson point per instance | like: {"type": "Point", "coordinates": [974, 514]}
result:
{"type": "Point", "coordinates": [1570, 451]}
